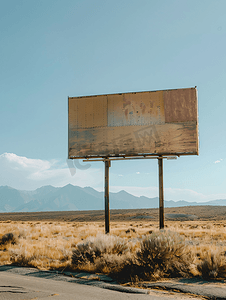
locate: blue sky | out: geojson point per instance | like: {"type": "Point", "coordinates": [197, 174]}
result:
{"type": "Point", "coordinates": [52, 49]}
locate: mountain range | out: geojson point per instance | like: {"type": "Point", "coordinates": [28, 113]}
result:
{"type": "Point", "coordinates": [70, 197]}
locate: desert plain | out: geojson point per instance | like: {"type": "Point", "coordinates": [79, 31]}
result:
{"type": "Point", "coordinates": [75, 240]}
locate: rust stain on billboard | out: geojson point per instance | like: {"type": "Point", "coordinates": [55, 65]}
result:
{"type": "Point", "coordinates": [180, 105]}
{"type": "Point", "coordinates": [160, 122]}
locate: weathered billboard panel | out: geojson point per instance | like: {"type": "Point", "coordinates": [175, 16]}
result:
{"type": "Point", "coordinates": [134, 124]}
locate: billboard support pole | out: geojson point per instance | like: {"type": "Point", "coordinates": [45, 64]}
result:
{"type": "Point", "coordinates": [106, 196]}
{"type": "Point", "coordinates": [161, 194]}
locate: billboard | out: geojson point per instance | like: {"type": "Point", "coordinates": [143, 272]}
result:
{"type": "Point", "coordinates": [133, 124]}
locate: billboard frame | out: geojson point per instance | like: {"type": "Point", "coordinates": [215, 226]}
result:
{"type": "Point", "coordinates": [160, 156]}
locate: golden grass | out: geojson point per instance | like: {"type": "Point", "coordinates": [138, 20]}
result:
{"type": "Point", "coordinates": [49, 245]}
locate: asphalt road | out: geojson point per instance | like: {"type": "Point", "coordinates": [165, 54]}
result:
{"type": "Point", "coordinates": [16, 286]}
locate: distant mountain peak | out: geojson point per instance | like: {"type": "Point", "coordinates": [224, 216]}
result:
{"type": "Point", "coordinates": [122, 192]}
{"type": "Point", "coordinates": [89, 188]}
{"type": "Point", "coordinates": [72, 197]}
{"type": "Point", "coordinates": [46, 187]}
{"type": "Point", "coordinates": [70, 186]}
{"type": "Point", "coordinates": [6, 187]}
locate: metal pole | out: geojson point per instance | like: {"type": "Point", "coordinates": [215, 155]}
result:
{"type": "Point", "coordinates": [161, 195]}
{"type": "Point", "coordinates": [106, 196]}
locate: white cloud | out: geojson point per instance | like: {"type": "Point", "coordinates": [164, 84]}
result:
{"type": "Point", "coordinates": [28, 174]}
{"type": "Point", "coordinates": [20, 162]}
{"type": "Point", "coordinates": [218, 161]}
{"type": "Point", "coordinates": [138, 173]}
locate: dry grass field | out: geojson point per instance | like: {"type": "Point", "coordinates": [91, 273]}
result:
{"type": "Point", "coordinates": [192, 244]}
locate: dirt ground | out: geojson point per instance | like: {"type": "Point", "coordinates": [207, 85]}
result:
{"type": "Point", "coordinates": [187, 213]}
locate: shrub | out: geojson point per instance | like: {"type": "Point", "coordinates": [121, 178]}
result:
{"type": "Point", "coordinates": [21, 260]}
{"type": "Point", "coordinates": [162, 254]}
{"type": "Point", "coordinates": [212, 265]}
{"type": "Point", "coordinates": [111, 264]}
{"type": "Point", "coordinates": [96, 247]}
{"type": "Point", "coordinates": [8, 238]}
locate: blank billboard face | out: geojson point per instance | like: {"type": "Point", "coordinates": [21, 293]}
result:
{"type": "Point", "coordinates": [134, 124]}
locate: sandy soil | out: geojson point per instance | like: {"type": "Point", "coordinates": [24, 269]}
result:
{"type": "Point", "coordinates": [199, 213]}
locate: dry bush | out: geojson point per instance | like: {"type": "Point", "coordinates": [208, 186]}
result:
{"type": "Point", "coordinates": [108, 254]}
{"type": "Point", "coordinates": [163, 254]}
{"type": "Point", "coordinates": [8, 238]}
{"type": "Point", "coordinates": [212, 265]}
{"type": "Point", "coordinates": [98, 252]}
{"type": "Point", "coordinates": [21, 260]}
{"type": "Point", "coordinates": [112, 264]}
